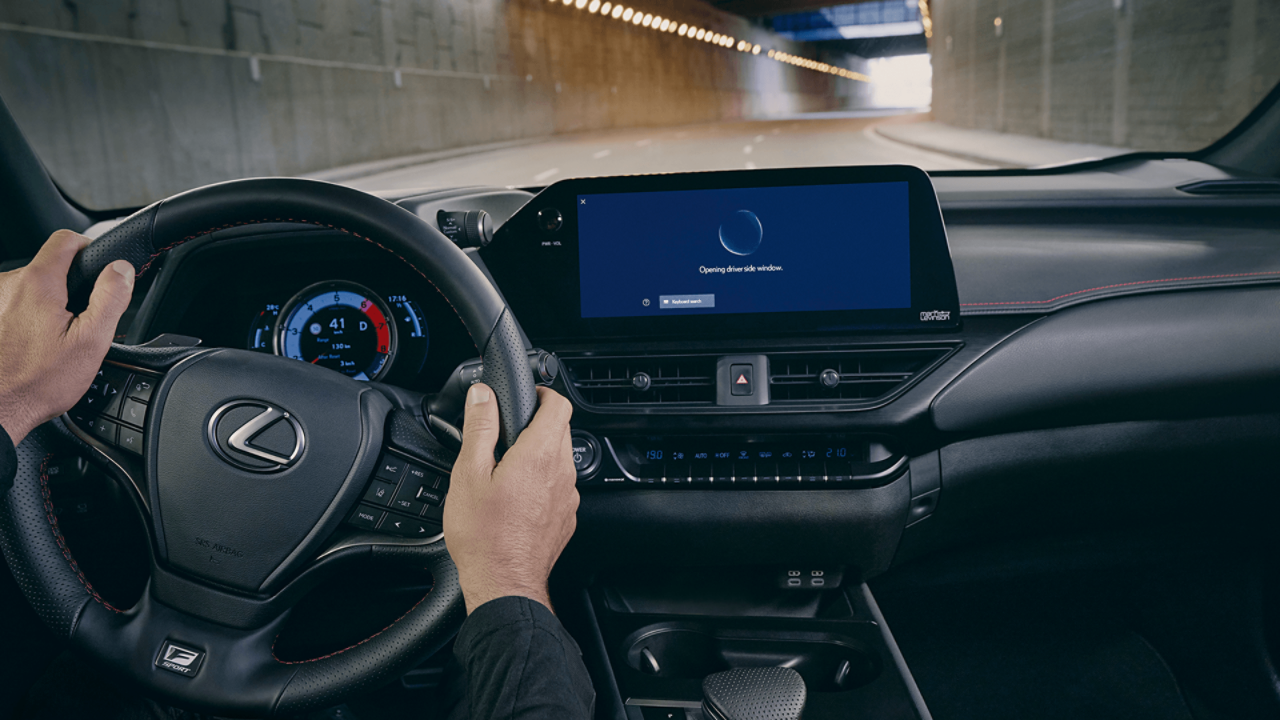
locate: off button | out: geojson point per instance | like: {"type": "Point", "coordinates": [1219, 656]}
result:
{"type": "Point", "coordinates": [586, 454]}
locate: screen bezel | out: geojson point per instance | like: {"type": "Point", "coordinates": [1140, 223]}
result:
{"type": "Point", "coordinates": [539, 270]}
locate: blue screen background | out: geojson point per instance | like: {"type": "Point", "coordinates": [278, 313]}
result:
{"type": "Point", "coordinates": [841, 247]}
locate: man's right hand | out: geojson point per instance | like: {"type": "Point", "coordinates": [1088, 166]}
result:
{"type": "Point", "coordinates": [507, 523]}
{"type": "Point", "coordinates": [48, 357]}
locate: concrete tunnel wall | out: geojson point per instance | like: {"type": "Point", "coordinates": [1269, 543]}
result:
{"type": "Point", "coordinates": [130, 100]}
{"type": "Point", "coordinates": [1143, 74]}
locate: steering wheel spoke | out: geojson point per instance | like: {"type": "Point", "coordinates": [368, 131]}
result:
{"type": "Point", "coordinates": [110, 420]}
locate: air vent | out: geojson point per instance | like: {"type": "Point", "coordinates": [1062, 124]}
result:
{"type": "Point", "coordinates": [669, 380]}
{"type": "Point", "coordinates": [849, 376]}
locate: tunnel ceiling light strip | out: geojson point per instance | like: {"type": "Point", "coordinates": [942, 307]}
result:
{"type": "Point", "coordinates": [925, 19]}
{"type": "Point", "coordinates": [640, 18]}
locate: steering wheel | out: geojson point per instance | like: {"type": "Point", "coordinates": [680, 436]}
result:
{"type": "Point", "coordinates": [238, 538]}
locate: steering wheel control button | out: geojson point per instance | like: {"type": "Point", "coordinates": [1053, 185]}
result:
{"type": "Point", "coordinates": [141, 387]}
{"type": "Point", "coordinates": [586, 454]}
{"type": "Point", "coordinates": [179, 659]}
{"type": "Point", "coordinates": [409, 527]}
{"type": "Point", "coordinates": [114, 381]}
{"type": "Point", "coordinates": [256, 436]}
{"type": "Point", "coordinates": [131, 440]}
{"type": "Point", "coordinates": [133, 412]}
{"type": "Point", "coordinates": [365, 517]}
{"type": "Point", "coordinates": [406, 500]}
{"type": "Point", "coordinates": [742, 380]}
{"type": "Point", "coordinates": [430, 495]}
{"type": "Point", "coordinates": [418, 475]}
{"type": "Point", "coordinates": [103, 397]}
{"type": "Point", "coordinates": [391, 468]}
{"type": "Point", "coordinates": [380, 493]}
{"type": "Point", "coordinates": [104, 430]}
{"type": "Point", "coordinates": [435, 514]}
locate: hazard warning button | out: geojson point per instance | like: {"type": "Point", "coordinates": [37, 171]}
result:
{"type": "Point", "coordinates": [741, 380]}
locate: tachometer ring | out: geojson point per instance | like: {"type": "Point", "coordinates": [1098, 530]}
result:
{"type": "Point", "coordinates": [316, 290]}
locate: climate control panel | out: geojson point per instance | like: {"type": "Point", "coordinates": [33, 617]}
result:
{"type": "Point", "coordinates": [762, 462]}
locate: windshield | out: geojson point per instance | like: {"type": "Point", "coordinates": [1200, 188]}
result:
{"type": "Point", "coordinates": [128, 105]}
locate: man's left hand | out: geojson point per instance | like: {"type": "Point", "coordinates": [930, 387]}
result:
{"type": "Point", "coordinates": [48, 357]}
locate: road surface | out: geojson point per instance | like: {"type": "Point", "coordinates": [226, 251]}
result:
{"type": "Point", "coordinates": [817, 139]}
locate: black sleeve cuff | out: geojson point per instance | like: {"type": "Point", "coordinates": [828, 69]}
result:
{"type": "Point", "coordinates": [506, 614]}
{"type": "Point", "coordinates": [521, 664]}
{"type": "Point", "coordinates": [8, 461]}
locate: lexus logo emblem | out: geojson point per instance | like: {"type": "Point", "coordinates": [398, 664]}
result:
{"type": "Point", "coordinates": [256, 436]}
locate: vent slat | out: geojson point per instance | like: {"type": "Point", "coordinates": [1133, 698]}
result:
{"type": "Point", "coordinates": [865, 376]}
{"type": "Point", "coordinates": [672, 380]}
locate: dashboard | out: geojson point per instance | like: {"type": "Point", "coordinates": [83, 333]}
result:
{"type": "Point", "coordinates": [1008, 321]}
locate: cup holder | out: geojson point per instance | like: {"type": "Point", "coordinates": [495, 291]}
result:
{"type": "Point", "coordinates": [827, 662]}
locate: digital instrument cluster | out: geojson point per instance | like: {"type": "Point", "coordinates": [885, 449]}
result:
{"type": "Point", "coordinates": [344, 326]}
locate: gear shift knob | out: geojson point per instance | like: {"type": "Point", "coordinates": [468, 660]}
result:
{"type": "Point", "coordinates": [762, 693]}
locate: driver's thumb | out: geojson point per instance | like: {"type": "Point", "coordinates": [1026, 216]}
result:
{"type": "Point", "coordinates": [110, 298]}
{"type": "Point", "coordinates": [480, 429]}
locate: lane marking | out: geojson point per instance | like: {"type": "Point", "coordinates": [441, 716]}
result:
{"type": "Point", "coordinates": [759, 138]}
{"type": "Point", "coordinates": [746, 150]}
{"type": "Point", "coordinates": [602, 153]}
{"type": "Point", "coordinates": [751, 165]}
{"type": "Point", "coordinates": [545, 174]}
{"type": "Point", "coordinates": [642, 143]}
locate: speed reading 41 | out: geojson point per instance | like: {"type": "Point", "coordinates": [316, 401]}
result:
{"type": "Point", "coordinates": [339, 325]}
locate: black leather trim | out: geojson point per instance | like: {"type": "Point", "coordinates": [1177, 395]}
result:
{"type": "Point", "coordinates": [1044, 260]}
{"type": "Point", "coordinates": [1190, 354]}
{"type": "Point", "coordinates": [506, 370]}
{"type": "Point", "coordinates": [34, 550]}
{"type": "Point", "coordinates": [368, 665]}
{"type": "Point", "coordinates": [156, 359]}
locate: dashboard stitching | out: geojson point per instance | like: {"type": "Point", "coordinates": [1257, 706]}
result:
{"type": "Point", "coordinates": [163, 250]}
{"type": "Point", "coordinates": [57, 536]}
{"type": "Point", "coordinates": [352, 647]}
{"type": "Point", "coordinates": [1117, 285]}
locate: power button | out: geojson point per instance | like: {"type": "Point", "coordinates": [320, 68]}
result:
{"type": "Point", "coordinates": [586, 454]}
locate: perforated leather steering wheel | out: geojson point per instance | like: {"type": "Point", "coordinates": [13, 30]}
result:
{"type": "Point", "coordinates": [234, 548]}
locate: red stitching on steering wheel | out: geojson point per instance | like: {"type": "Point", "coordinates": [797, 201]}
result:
{"type": "Point", "coordinates": [62, 543]}
{"type": "Point", "coordinates": [352, 647]}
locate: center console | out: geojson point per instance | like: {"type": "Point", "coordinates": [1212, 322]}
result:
{"type": "Point", "coordinates": [663, 634]}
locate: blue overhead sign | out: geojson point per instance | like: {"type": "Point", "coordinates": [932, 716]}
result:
{"type": "Point", "coordinates": [880, 18]}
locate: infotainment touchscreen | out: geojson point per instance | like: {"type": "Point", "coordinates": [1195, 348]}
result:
{"type": "Point", "coordinates": [745, 250]}
{"type": "Point", "coordinates": [831, 251]}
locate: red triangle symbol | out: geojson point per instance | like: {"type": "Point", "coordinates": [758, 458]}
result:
{"type": "Point", "coordinates": [742, 380]}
